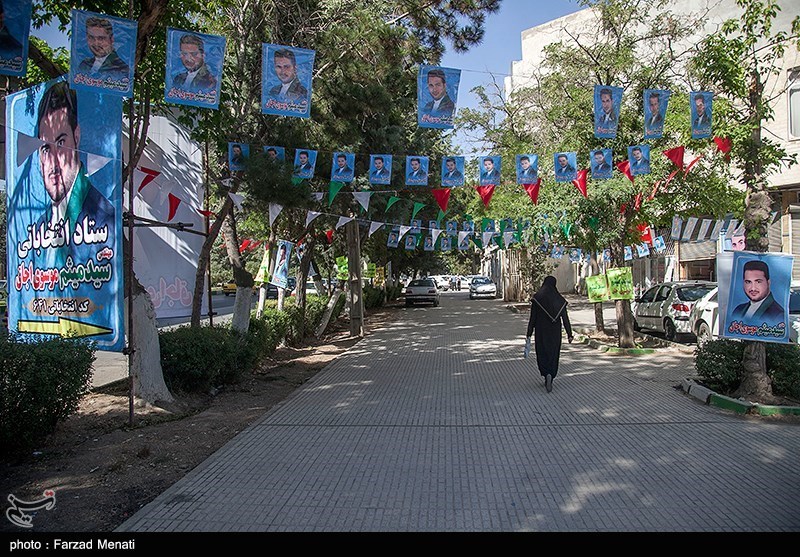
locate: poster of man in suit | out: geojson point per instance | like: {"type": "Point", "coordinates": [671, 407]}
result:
{"type": "Point", "coordinates": [304, 162]}
{"type": "Point", "coordinates": [601, 164]}
{"type": "Point", "coordinates": [194, 68]}
{"type": "Point", "coordinates": [342, 168]}
{"type": "Point", "coordinates": [607, 102]}
{"type": "Point", "coordinates": [286, 80]}
{"type": "Point", "coordinates": [700, 106]}
{"type": "Point", "coordinates": [452, 172]}
{"type": "Point", "coordinates": [437, 95]}
{"type": "Point", "coordinates": [380, 169]}
{"type": "Point", "coordinates": [527, 169]}
{"type": "Point", "coordinates": [565, 166]}
{"type": "Point", "coordinates": [655, 111]}
{"type": "Point", "coordinates": [416, 171]}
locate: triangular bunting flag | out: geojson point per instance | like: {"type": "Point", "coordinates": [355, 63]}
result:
{"type": "Point", "coordinates": [144, 176]}
{"type": "Point", "coordinates": [173, 206]}
{"type": "Point", "coordinates": [625, 168]}
{"type": "Point", "coordinates": [237, 199]}
{"type": "Point", "coordinates": [95, 163]}
{"type": "Point", "coordinates": [691, 164]}
{"type": "Point", "coordinates": [392, 201]}
{"type": "Point", "coordinates": [676, 155]}
{"type": "Point", "coordinates": [206, 213]}
{"type": "Point", "coordinates": [310, 216]}
{"type": "Point", "coordinates": [637, 202]}
{"type": "Point", "coordinates": [245, 243]}
{"type": "Point", "coordinates": [435, 232]}
{"type": "Point", "coordinates": [724, 144]}
{"type": "Point", "coordinates": [461, 235]}
{"type": "Point", "coordinates": [274, 211]}
{"type": "Point", "coordinates": [363, 198]}
{"type": "Point", "coordinates": [334, 189]}
{"type": "Point", "coordinates": [417, 208]}
{"type": "Point", "coordinates": [329, 235]}
{"type": "Point", "coordinates": [533, 190]}
{"type": "Point", "coordinates": [25, 146]}
{"type": "Point", "coordinates": [440, 216]}
{"type": "Point", "coordinates": [487, 237]}
{"type": "Point", "coordinates": [342, 221]}
{"type": "Point", "coordinates": [580, 182]}
{"type": "Point", "coordinates": [486, 193]}
{"type": "Point", "coordinates": [374, 227]}
{"type": "Point", "coordinates": [297, 180]}
{"type": "Point", "coordinates": [594, 223]}
{"type": "Point", "coordinates": [652, 195]}
{"type": "Point", "coordinates": [566, 227]}
{"type": "Point", "coordinates": [227, 182]}
{"type": "Point", "coordinates": [508, 237]}
{"type": "Point", "coordinates": [318, 195]}
{"type": "Point", "coordinates": [670, 177]}
{"type": "Point", "coordinates": [403, 230]}
{"type": "Point", "coordinates": [442, 197]}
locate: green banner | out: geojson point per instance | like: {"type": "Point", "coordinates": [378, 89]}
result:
{"type": "Point", "coordinates": [334, 189]}
{"type": "Point", "coordinates": [620, 283]}
{"type": "Point", "coordinates": [417, 208]}
{"type": "Point", "coordinates": [342, 270]}
{"type": "Point", "coordinates": [597, 288]}
{"type": "Point", "coordinates": [392, 201]}
{"type": "Point", "coordinates": [370, 272]}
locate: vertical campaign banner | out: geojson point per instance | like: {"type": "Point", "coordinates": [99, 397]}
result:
{"type": "Point", "coordinates": [342, 167]}
{"type": "Point", "coordinates": [286, 74]}
{"type": "Point", "coordinates": [393, 240]}
{"type": "Point", "coordinates": [380, 169]}
{"type": "Point", "coordinates": [194, 68]}
{"type": "Point", "coordinates": [64, 206]}
{"type": "Point", "coordinates": [639, 159]}
{"type": "Point", "coordinates": [527, 169]}
{"type": "Point", "coordinates": [452, 172]}
{"type": "Point", "coordinates": [628, 253]}
{"type": "Point", "coordinates": [601, 164]}
{"type": "Point", "coordinates": [416, 171]}
{"type": "Point", "coordinates": [451, 228]}
{"type": "Point", "coordinates": [607, 101]}
{"type": "Point", "coordinates": [758, 296]}
{"type": "Point", "coordinates": [489, 170]}
{"type": "Point", "coordinates": [280, 277]}
{"type": "Point", "coordinates": [15, 27]}
{"type": "Point", "coordinates": [655, 111]}
{"type": "Point", "coordinates": [437, 95]}
{"type": "Point", "coordinates": [275, 153]}
{"type": "Point", "coordinates": [620, 283]}
{"type": "Point", "coordinates": [428, 243]}
{"type": "Point", "coordinates": [102, 53]}
{"type": "Point", "coordinates": [411, 242]}
{"type": "Point", "coordinates": [238, 153]}
{"type": "Point", "coordinates": [700, 106]}
{"type": "Point", "coordinates": [677, 225]}
{"type": "Point", "coordinates": [565, 166]}
{"type": "Point", "coordinates": [304, 162]}
{"type": "Point", "coordinates": [597, 288]}
{"type": "Point", "coordinates": [444, 245]}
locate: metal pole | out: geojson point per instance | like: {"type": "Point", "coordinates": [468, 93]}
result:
{"type": "Point", "coordinates": [129, 263]}
{"type": "Point", "coordinates": [208, 222]}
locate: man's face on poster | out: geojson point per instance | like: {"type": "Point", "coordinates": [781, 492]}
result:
{"type": "Point", "coordinates": [488, 165]}
{"type": "Point", "coordinates": [273, 154]}
{"type": "Point", "coordinates": [59, 157]}
{"type": "Point", "coordinates": [378, 164]}
{"type": "Point", "coordinates": [653, 105]}
{"type": "Point", "coordinates": [192, 57]}
{"type": "Point", "coordinates": [237, 152]}
{"type": "Point", "coordinates": [637, 154]}
{"type": "Point", "coordinates": [341, 161]}
{"type": "Point", "coordinates": [598, 159]}
{"type": "Point", "coordinates": [436, 87]}
{"type": "Point", "coordinates": [737, 243]}
{"type": "Point", "coordinates": [414, 165]}
{"type": "Point", "coordinates": [524, 163]}
{"type": "Point", "coordinates": [756, 285]}
{"type": "Point", "coordinates": [562, 161]}
{"type": "Point", "coordinates": [451, 165]}
{"type": "Point", "coordinates": [303, 159]}
{"type": "Point", "coordinates": [100, 41]}
{"type": "Point", "coordinates": [285, 69]}
{"type": "Point", "coordinates": [700, 105]}
{"type": "Point", "coordinates": [606, 103]}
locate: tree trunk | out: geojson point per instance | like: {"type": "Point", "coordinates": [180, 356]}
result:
{"type": "Point", "coordinates": [354, 283]}
{"type": "Point", "coordinates": [244, 280]}
{"type": "Point", "coordinates": [202, 262]}
{"type": "Point", "coordinates": [599, 322]}
{"type": "Point", "coordinates": [756, 383]}
{"type": "Point", "coordinates": [148, 376]}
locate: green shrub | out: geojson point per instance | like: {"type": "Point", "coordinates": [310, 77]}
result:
{"type": "Point", "coordinates": [269, 330]}
{"type": "Point", "coordinates": [373, 297]}
{"type": "Point", "coordinates": [783, 363]}
{"type": "Point", "coordinates": [40, 384]}
{"type": "Point", "coordinates": [393, 292]}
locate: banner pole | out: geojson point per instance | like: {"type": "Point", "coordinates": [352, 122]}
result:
{"type": "Point", "coordinates": [129, 263]}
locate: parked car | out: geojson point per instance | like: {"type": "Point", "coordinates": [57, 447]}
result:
{"type": "Point", "coordinates": [482, 287]}
{"type": "Point", "coordinates": [704, 317]}
{"type": "Point", "coordinates": [666, 307]}
{"type": "Point", "coordinates": [442, 281]}
{"type": "Point", "coordinates": [422, 290]}
{"type": "Point", "coordinates": [229, 288]}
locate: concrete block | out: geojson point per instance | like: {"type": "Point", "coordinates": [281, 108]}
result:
{"type": "Point", "coordinates": [686, 383]}
{"type": "Point", "coordinates": [701, 393]}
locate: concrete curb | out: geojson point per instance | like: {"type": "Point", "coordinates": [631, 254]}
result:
{"type": "Point", "coordinates": [707, 396]}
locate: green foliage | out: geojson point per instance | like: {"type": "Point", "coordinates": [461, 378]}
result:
{"type": "Point", "coordinates": [41, 384]}
{"type": "Point", "coordinates": [783, 365]}
{"type": "Point", "coordinates": [373, 297]}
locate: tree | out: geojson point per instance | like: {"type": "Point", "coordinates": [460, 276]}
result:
{"type": "Point", "coordinates": [742, 63]}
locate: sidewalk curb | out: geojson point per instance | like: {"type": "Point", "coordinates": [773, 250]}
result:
{"type": "Point", "coordinates": [707, 396]}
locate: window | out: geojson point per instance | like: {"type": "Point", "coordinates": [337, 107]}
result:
{"type": "Point", "coordinates": [649, 295]}
{"type": "Point", "coordinates": [663, 294]}
{"type": "Point", "coordinates": [793, 91]}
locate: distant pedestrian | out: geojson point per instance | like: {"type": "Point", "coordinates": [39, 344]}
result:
{"type": "Point", "coordinates": [548, 312]}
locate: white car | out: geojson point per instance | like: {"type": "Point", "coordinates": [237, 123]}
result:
{"type": "Point", "coordinates": [665, 307]}
{"type": "Point", "coordinates": [482, 287]}
{"type": "Point", "coordinates": [442, 281]}
{"type": "Point", "coordinates": [422, 290]}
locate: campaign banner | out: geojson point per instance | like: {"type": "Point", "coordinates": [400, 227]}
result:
{"type": "Point", "coordinates": [655, 103]}
{"type": "Point", "coordinates": [607, 101]}
{"type": "Point", "coordinates": [437, 96]}
{"type": "Point", "coordinates": [527, 168]}
{"type": "Point", "coordinates": [342, 167]}
{"type": "Point", "coordinates": [565, 165]}
{"type": "Point", "coordinates": [305, 160]}
{"type": "Point", "coordinates": [416, 171]}
{"type": "Point", "coordinates": [489, 170]}
{"type": "Point", "coordinates": [14, 31]}
{"type": "Point", "coordinates": [286, 74]}
{"type": "Point", "coordinates": [677, 225]}
{"type": "Point", "coordinates": [393, 240]}
{"type": "Point", "coordinates": [444, 244]}
{"type": "Point", "coordinates": [238, 153]}
{"type": "Point", "coordinates": [411, 242]}
{"type": "Point", "coordinates": [380, 169]}
{"type": "Point", "coordinates": [64, 210]}
{"type": "Point", "coordinates": [574, 255]}
{"type": "Point", "coordinates": [369, 272]}
{"type": "Point", "coordinates": [194, 68]}
{"type": "Point", "coordinates": [642, 250]}
{"type": "Point", "coordinates": [597, 288]}
{"type": "Point", "coordinates": [380, 276]}
{"type": "Point", "coordinates": [601, 164]}
{"type": "Point", "coordinates": [280, 277]}
{"type": "Point", "coordinates": [416, 226]}
{"type": "Point", "coordinates": [102, 53]}
{"type": "Point", "coordinates": [451, 228]}
{"type": "Point", "coordinates": [700, 106]}
{"type": "Point", "coordinates": [452, 172]}
{"type": "Point", "coordinates": [428, 243]}
{"type": "Point", "coordinates": [658, 244]}
{"type": "Point", "coordinates": [628, 254]}
{"type": "Point", "coordinates": [757, 289]}
{"type": "Point", "coordinates": [263, 268]}
{"type": "Point", "coordinates": [275, 153]}
{"type": "Point", "coordinates": [639, 159]}
{"type": "Point", "coordinates": [620, 283]}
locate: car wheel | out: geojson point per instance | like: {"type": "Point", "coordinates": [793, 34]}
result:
{"type": "Point", "coordinates": [471, 297]}
{"type": "Point", "coordinates": [703, 333]}
{"type": "Point", "coordinates": [409, 303]}
{"type": "Point", "coordinates": [670, 333]}
{"type": "Point", "coordinates": [227, 293]}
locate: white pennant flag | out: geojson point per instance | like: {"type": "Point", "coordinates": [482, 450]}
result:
{"type": "Point", "coordinates": [717, 228]}
{"type": "Point", "coordinates": [461, 235]}
{"type": "Point", "coordinates": [731, 228]}
{"type": "Point", "coordinates": [95, 163]}
{"type": "Point", "coordinates": [227, 182]}
{"type": "Point", "coordinates": [435, 232]}
{"type": "Point", "coordinates": [508, 237]}
{"type": "Point", "coordinates": [274, 211]}
{"type": "Point", "coordinates": [487, 238]}
{"type": "Point", "coordinates": [343, 221]}
{"type": "Point", "coordinates": [25, 146]}
{"type": "Point", "coordinates": [318, 195]}
{"type": "Point", "coordinates": [237, 200]}
{"type": "Point", "coordinates": [403, 230]}
{"type": "Point", "coordinates": [310, 216]}
{"type": "Point", "coordinates": [374, 227]}
{"type": "Point", "coordinates": [363, 198]}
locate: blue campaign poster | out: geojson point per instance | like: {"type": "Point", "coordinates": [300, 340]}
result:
{"type": "Point", "coordinates": [14, 30]}
{"type": "Point", "coordinates": [527, 169]}
{"type": "Point", "coordinates": [194, 68]}
{"type": "Point", "coordinates": [565, 165]}
{"type": "Point", "coordinates": [489, 170]}
{"type": "Point", "coordinates": [393, 240]}
{"type": "Point", "coordinates": [238, 153]}
{"type": "Point", "coordinates": [275, 153]}
{"type": "Point", "coordinates": [342, 168]}
{"type": "Point", "coordinates": [380, 169]}
{"type": "Point", "coordinates": [758, 296]}
{"type": "Point", "coordinates": [280, 277]}
{"type": "Point", "coordinates": [304, 162]}
{"type": "Point", "coordinates": [452, 172]}
{"type": "Point", "coordinates": [655, 111]}
{"type": "Point", "coordinates": [600, 164]}
{"type": "Point", "coordinates": [416, 171]}
{"type": "Point", "coordinates": [286, 74]}
{"type": "Point", "coordinates": [607, 101]}
{"type": "Point", "coordinates": [639, 159]}
{"type": "Point", "coordinates": [451, 228]}
{"type": "Point", "coordinates": [102, 53]}
{"type": "Point", "coordinates": [437, 96]}
{"type": "Point", "coordinates": [445, 243]}
{"type": "Point", "coordinates": [65, 214]}
{"type": "Point", "coordinates": [700, 106]}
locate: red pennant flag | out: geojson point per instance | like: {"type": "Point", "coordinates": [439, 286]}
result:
{"type": "Point", "coordinates": [676, 155]}
{"type": "Point", "coordinates": [255, 244]}
{"type": "Point", "coordinates": [623, 208]}
{"type": "Point", "coordinates": [646, 233]}
{"type": "Point", "coordinates": [329, 234]}
{"type": "Point", "coordinates": [486, 193]}
{"type": "Point", "coordinates": [442, 198]}
{"type": "Point", "coordinates": [625, 168]}
{"type": "Point", "coordinates": [151, 175]}
{"type": "Point", "coordinates": [580, 182]}
{"type": "Point", "coordinates": [245, 243]}
{"type": "Point", "coordinates": [206, 213]}
{"type": "Point", "coordinates": [637, 202]}
{"type": "Point", "coordinates": [533, 190]}
{"type": "Point", "coordinates": [691, 164]}
{"type": "Point", "coordinates": [671, 176]}
{"type": "Point", "coordinates": [724, 144]}
{"type": "Point", "coordinates": [173, 206]}
{"type": "Point", "coordinates": [652, 196]}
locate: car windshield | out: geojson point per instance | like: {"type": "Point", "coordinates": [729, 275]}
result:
{"type": "Point", "coordinates": [481, 280]}
{"type": "Point", "coordinates": [421, 282]}
{"type": "Point", "coordinates": [693, 293]}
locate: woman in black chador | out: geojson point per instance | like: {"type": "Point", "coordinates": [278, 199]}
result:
{"type": "Point", "coordinates": [548, 312]}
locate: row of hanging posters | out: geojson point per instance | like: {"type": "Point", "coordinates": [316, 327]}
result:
{"type": "Point", "coordinates": [103, 50]}
{"type": "Point", "coordinates": [65, 213]}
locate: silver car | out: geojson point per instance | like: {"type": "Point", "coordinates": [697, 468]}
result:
{"type": "Point", "coordinates": [666, 307]}
{"type": "Point", "coordinates": [422, 290]}
{"type": "Point", "coordinates": [482, 287]}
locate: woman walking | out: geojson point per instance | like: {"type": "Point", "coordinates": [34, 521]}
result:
{"type": "Point", "coordinates": [548, 312]}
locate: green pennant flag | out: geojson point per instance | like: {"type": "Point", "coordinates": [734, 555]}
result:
{"type": "Point", "coordinates": [297, 180]}
{"type": "Point", "coordinates": [478, 241]}
{"type": "Point", "coordinates": [335, 187]}
{"type": "Point", "coordinates": [594, 223]}
{"type": "Point", "coordinates": [565, 228]}
{"type": "Point", "coordinates": [484, 224]}
{"type": "Point", "coordinates": [440, 216]}
{"type": "Point", "coordinates": [417, 208]}
{"type": "Point", "coordinates": [392, 201]}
